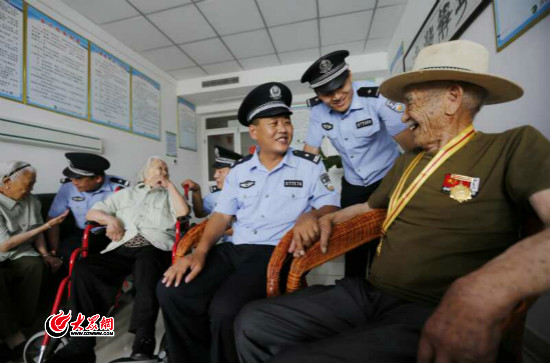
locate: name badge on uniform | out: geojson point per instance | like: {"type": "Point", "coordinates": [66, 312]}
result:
{"type": "Point", "coordinates": [294, 183]}
{"type": "Point", "coordinates": [325, 179]}
{"type": "Point", "coordinates": [327, 126]}
{"type": "Point", "coordinates": [77, 199]}
{"type": "Point", "coordinates": [460, 187]}
{"type": "Point", "coordinates": [247, 184]}
{"type": "Point", "coordinates": [364, 123]}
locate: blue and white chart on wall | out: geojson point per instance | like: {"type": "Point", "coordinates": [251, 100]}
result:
{"type": "Point", "coordinates": [110, 89]}
{"type": "Point", "coordinates": [187, 125]}
{"type": "Point", "coordinates": [57, 66]}
{"type": "Point", "coordinates": [11, 49]}
{"type": "Point", "coordinates": [145, 105]}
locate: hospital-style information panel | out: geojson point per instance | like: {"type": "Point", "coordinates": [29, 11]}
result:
{"type": "Point", "coordinates": [11, 49]}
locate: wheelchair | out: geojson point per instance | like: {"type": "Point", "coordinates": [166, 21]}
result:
{"type": "Point", "coordinates": [41, 346]}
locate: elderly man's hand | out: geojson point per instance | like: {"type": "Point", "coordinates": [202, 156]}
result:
{"type": "Point", "coordinates": [57, 220]}
{"type": "Point", "coordinates": [115, 229]}
{"type": "Point", "coordinates": [160, 181]}
{"type": "Point", "coordinates": [193, 263]}
{"type": "Point", "coordinates": [466, 326]}
{"type": "Point", "coordinates": [54, 263]}
{"type": "Point", "coordinates": [306, 232]}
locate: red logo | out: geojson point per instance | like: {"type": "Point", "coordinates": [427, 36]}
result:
{"type": "Point", "coordinates": [57, 325]}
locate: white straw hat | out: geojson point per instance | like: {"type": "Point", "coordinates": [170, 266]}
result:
{"type": "Point", "coordinates": [457, 60]}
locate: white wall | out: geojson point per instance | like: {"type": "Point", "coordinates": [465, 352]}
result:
{"type": "Point", "coordinates": [126, 152]}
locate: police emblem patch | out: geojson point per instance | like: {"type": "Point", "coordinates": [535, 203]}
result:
{"type": "Point", "coordinates": [325, 66]}
{"type": "Point", "coordinates": [325, 179]}
{"type": "Point", "coordinates": [294, 183]}
{"type": "Point", "coordinates": [77, 198]}
{"type": "Point", "coordinates": [363, 123]}
{"type": "Point", "coordinates": [247, 184]}
{"type": "Point", "coordinates": [460, 187]}
{"type": "Point", "coordinates": [395, 106]}
{"type": "Point", "coordinates": [275, 93]}
{"type": "Point", "coordinates": [327, 126]}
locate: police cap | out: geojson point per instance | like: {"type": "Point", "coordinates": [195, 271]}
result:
{"type": "Point", "coordinates": [224, 157]}
{"type": "Point", "coordinates": [85, 164]}
{"type": "Point", "coordinates": [328, 72]}
{"type": "Point", "coordinates": [267, 100]}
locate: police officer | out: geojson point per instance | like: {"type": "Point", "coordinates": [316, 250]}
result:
{"type": "Point", "coordinates": [86, 184]}
{"type": "Point", "coordinates": [360, 125]}
{"type": "Point", "coordinates": [269, 192]}
{"type": "Point", "coordinates": [223, 161]}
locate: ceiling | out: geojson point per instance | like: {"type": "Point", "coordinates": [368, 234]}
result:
{"type": "Point", "coordinates": [196, 38]}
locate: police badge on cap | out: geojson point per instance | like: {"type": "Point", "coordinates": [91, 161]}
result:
{"type": "Point", "coordinates": [266, 100]}
{"type": "Point", "coordinates": [85, 164]}
{"type": "Point", "coordinates": [328, 72]}
{"type": "Point", "coordinates": [225, 158]}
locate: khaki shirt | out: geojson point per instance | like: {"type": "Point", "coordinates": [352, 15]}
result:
{"type": "Point", "coordinates": [17, 217]}
{"type": "Point", "coordinates": [145, 210]}
{"type": "Point", "coordinates": [436, 239]}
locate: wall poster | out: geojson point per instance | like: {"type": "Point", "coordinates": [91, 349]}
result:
{"type": "Point", "coordinates": [110, 89]}
{"type": "Point", "coordinates": [11, 49]}
{"type": "Point", "coordinates": [187, 125]}
{"type": "Point", "coordinates": [145, 106]}
{"type": "Point", "coordinates": [57, 66]}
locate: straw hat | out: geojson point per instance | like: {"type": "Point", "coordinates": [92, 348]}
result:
{"type": "Point", "coordinates": [458, 60]}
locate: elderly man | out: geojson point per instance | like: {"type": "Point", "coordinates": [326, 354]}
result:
{"type": "Point", "coordinates": [141, 225]}
{"type": "Point", "coordinates": [23, 253]}
{"type": "Point", "coordinates": [449, 263]}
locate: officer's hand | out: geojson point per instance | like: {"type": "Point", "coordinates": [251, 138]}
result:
{"type": "Point", "coordinates": [115, 229]}
{"type": "Point", "coordinates": [325, 226]}
{"type": "Point", "coordinates": [192, 185]}
{"type": "Point", "coordinates": [306, 232]}
{"type": "Point", "coordinates": [465, 327]}
{"type": "Point", "coordinates": [57, 220]}
{"type": "Point", "coordinates": [193, 263]}
{"type": "Point", "coordinates": [54, 263]}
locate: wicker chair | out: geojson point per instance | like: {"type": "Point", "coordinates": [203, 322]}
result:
{"type": "Point", "coordinates": [347, 236]}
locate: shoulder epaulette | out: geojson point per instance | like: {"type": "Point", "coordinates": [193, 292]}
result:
{"type": "Point", "coordinates": [124, 183]}
{"type": "Point", "coordinates": [214, 189]}
{"type": "Point", "coordinates": [64, 180]}
{"type": "Point", "coordinates": [308, 156]}
{"type": "Point", "coordinates": [240, 161]}
{"type": "Point", "coordinates": [368, 92]}
{"type": "Point", "coordinates": [313, 102]}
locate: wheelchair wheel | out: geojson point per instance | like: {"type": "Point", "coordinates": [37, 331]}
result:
{"type": "Point", "coordinates": [32, 348]}
{"type": "Point", "coordinates": [163, 350]}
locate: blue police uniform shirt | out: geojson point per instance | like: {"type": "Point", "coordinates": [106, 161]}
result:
{"type": "Point", "coordinates": [362, 135]}
{"type": "Point", "coordinates": [68, 197]}
{"type": "Point", "coordinates": [267, 203]}
{"type": "Point", "coordinates": [209, 203]}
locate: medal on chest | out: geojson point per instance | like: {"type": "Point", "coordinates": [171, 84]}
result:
{"type": "Point", "coordinates": [460, 187]}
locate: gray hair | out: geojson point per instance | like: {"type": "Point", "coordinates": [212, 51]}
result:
{"type": "Point", "coordinates": [143, 171]}
{"type": "Point", "coordinates": [14, 169]}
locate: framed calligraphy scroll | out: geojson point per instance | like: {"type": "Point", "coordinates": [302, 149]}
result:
{"type": "Point", "coordinates": [447, 20]}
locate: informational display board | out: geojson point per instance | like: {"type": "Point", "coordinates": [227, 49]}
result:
{"type": "Point", "coordinates": [300, 120]}
{"type": "Point", "coordinates": [187, 125]}
{"type": "Point", "coordinates": [145, 105]}
{"type": "Point", "coordinates": [11, 49]}
{"type": "Point", "coordinates": [513, 18]}
{"type": "Point", "coordinates": [110, 89]}
{"type": "Point", "coordinates": [171, 144]}
{"type": "Point", "coordinates": [57, 66]}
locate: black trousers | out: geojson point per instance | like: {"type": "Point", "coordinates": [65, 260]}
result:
{"type": "Point", "coordinates": [349, 322]}
{"type": "Point", "coordinates": [68, 244]}
{"type": "Point", "coordinates": [199, 316]}
{"type": "Point", "coordinates": [20, 283]}
{"type": "Point", "coordinates": [358, 259]}
{"type": "Point", "coordinates": [97, 279]}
